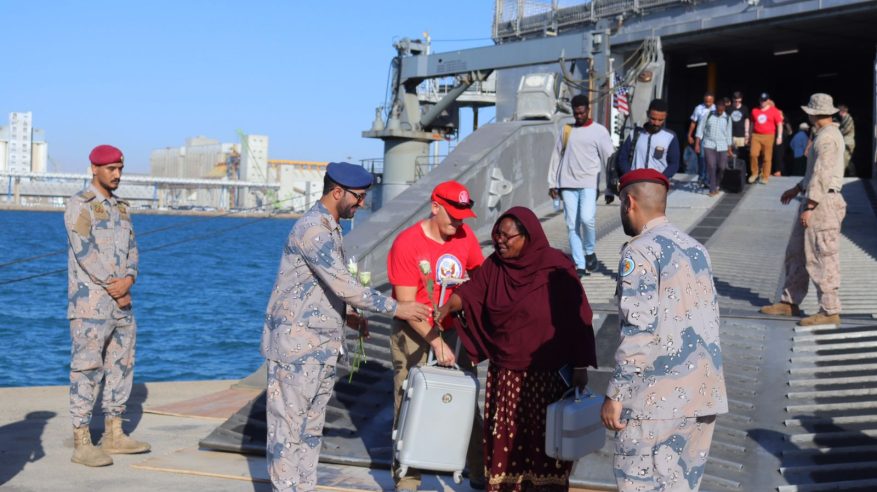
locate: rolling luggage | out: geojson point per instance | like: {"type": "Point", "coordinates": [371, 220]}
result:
{"type": "Point", "coordinates": [573, 427]}
{"type": "Point", "coordinates": [435, 420]}
{"type": "Point", "coordinates": [734, 176]}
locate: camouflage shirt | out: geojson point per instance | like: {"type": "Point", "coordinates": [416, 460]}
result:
{"type": "Point", "coordinates": [669, 362]}
{"type": "Point", "coordinates": [825, 164]}
{"type": "Point", "coordinates": [102, 247]}
{"type": "Point", "coordinates": [304, 322]}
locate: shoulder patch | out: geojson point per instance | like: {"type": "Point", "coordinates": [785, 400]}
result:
{"type": "Point", "coordinates": [83, 223]}
{"type": "Point", "coordinates": [627, 266]}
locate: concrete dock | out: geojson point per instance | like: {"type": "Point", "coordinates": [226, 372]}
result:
{"type": "Point", "coordinates": [36, 442]}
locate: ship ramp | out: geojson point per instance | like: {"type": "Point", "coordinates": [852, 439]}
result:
{"type": "Point", "coordinates": [802, 415]}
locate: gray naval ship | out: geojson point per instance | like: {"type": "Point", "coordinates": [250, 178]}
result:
{"type": "Point", "coordinates": [803, 413]}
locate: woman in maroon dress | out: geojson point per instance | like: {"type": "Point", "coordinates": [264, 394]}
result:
{"type": "Point", "coordinates": [525, 311]}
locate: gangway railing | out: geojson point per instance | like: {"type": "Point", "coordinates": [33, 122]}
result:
{"type": "Point", "coordinates": [426, 163]}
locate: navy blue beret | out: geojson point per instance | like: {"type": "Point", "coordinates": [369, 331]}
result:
{"type": "Point", "coordinates": [349, 175]}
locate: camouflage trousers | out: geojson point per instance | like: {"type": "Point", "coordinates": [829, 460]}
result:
{"type": "Point", "coordinates": [813, 253]}
{"type": "Point", "coordinates": [102, 350]}
{"type": "Point", "coordinates": [296, 411]}
{"type": "Point", "coordinates": [662, 455]}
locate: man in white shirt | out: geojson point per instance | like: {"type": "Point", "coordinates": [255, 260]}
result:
{"type": "Point", "coordinates": [581, 153]}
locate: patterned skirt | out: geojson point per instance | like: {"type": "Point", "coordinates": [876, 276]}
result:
{"type": "Point", "coordinates": [514, 431]}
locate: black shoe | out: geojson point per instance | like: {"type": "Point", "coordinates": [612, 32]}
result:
{"type": "Point", "coordinates": [610, 199]}
{"type": "Point", "coordinates": [582, 272]}
{"type": "Point", "coordinates": [477, 484]}
{"type": "Point", "coordinates": [591, 262]}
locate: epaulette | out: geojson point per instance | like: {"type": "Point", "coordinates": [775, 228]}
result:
{"type": "Point", "coordinates": [88, 196]}
{"type": "Point", "coordinates": [631, 243]}
{"type": "Point", "coordinates": [123, 202]}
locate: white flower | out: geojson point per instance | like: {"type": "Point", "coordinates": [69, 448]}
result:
{"type": "Point", "coordinates": [424, 267]}
{"type": "Point", "coordinates": [365, 278]}
{"type": "Point", "coordinates": [352, 267]}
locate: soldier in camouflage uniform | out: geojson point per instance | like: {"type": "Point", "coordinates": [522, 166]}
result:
{"type": "Point", "coordinates": [102, 267]}
{"type": "Point", "coordinates": [813, 252]}
{"type": "Point", "coordinates": [848, 130]}
{"type": "Point", "coordinates": [303, 331]}
{"type": "Point", "coordinates": [668, 384]}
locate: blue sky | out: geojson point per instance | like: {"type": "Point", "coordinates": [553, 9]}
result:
{"type": "Point", "coordinates": [146, 75]}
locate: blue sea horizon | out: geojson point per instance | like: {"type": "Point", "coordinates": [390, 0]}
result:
{"type": "Point", "coordinates": [199, 299]}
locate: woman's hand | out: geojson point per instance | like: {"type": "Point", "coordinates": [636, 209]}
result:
{"type": "Point", "coordinates": [440, 315]}
{"type": "Point", "coordinates": [580, 378]}
{"type": "Point", "coordinates": [453, 304]}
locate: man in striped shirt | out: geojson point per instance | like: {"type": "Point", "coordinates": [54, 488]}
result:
{"type": "Point", "coordinates": [713, 137]}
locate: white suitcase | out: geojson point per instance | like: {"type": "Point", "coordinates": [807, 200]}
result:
{"type": "Point", "coordinates": [573, 427]}
{"type": "Point", "coordinates": [435, 420]}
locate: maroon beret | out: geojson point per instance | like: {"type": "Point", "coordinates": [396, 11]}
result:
{"type": "Point", "coordinates": [640, 175]}
{"type": "Point", "coordinates": [106, 154]}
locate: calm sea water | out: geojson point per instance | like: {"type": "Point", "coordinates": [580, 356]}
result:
{"type": "Point", "coordinates": [199, 299]}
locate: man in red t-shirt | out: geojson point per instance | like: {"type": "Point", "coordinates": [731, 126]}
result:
{"type": "Point", "coordinates": [767, 128]}
{"type": "Point", "coordinates": [436, 248]}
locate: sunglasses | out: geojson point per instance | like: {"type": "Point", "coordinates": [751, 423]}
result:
{"type": "Point", "coordinates": [457, 204]}
{"type": "Point", "coordinates": [360, 197]}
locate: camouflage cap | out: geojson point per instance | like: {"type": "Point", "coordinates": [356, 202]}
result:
{"type": "Point", "coordinates": [820, 105]}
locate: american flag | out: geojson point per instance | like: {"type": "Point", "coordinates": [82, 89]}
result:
{"type": "Point", "coordinates": [619, 99]}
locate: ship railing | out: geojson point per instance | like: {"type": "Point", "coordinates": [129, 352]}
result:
{"type": "Point", "coordinates": [520, 18]}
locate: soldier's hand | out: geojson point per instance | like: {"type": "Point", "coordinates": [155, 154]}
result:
{"type": "Point", "coordinates": [358, 322]}
{"type": "Point", "coordinates": [124, 302]}
{"type": "Point", "coordinates": [805, 218]}
{"type": "Point", "coordinates": [119, 287]}
{"type": "Point", "coordinates": [412, 311]}
{"type": "Point", "coordinates": [444, 356]}
{"type": "Point", "coordinates": [611, 415]}
{"type": "Point", "coordinates": [788, 195]}
{"type": "Point", "coordinates": [552, 192]}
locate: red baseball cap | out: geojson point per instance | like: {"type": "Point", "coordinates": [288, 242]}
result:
{"type": "Point", "coordinates": [454, 198]}
{"type": "Point", "coordinates": [640, 175]}
{"type": "Point", "coordinates": [103, 155]}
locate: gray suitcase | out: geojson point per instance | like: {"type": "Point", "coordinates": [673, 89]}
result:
{"type": "Point", "coordinates": [573, 427]}
{"type": "Point", "coordinates": [435, 420]}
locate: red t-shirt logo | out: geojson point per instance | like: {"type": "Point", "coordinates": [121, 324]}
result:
{"type": "Point", "coordinates": [448, 266]}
